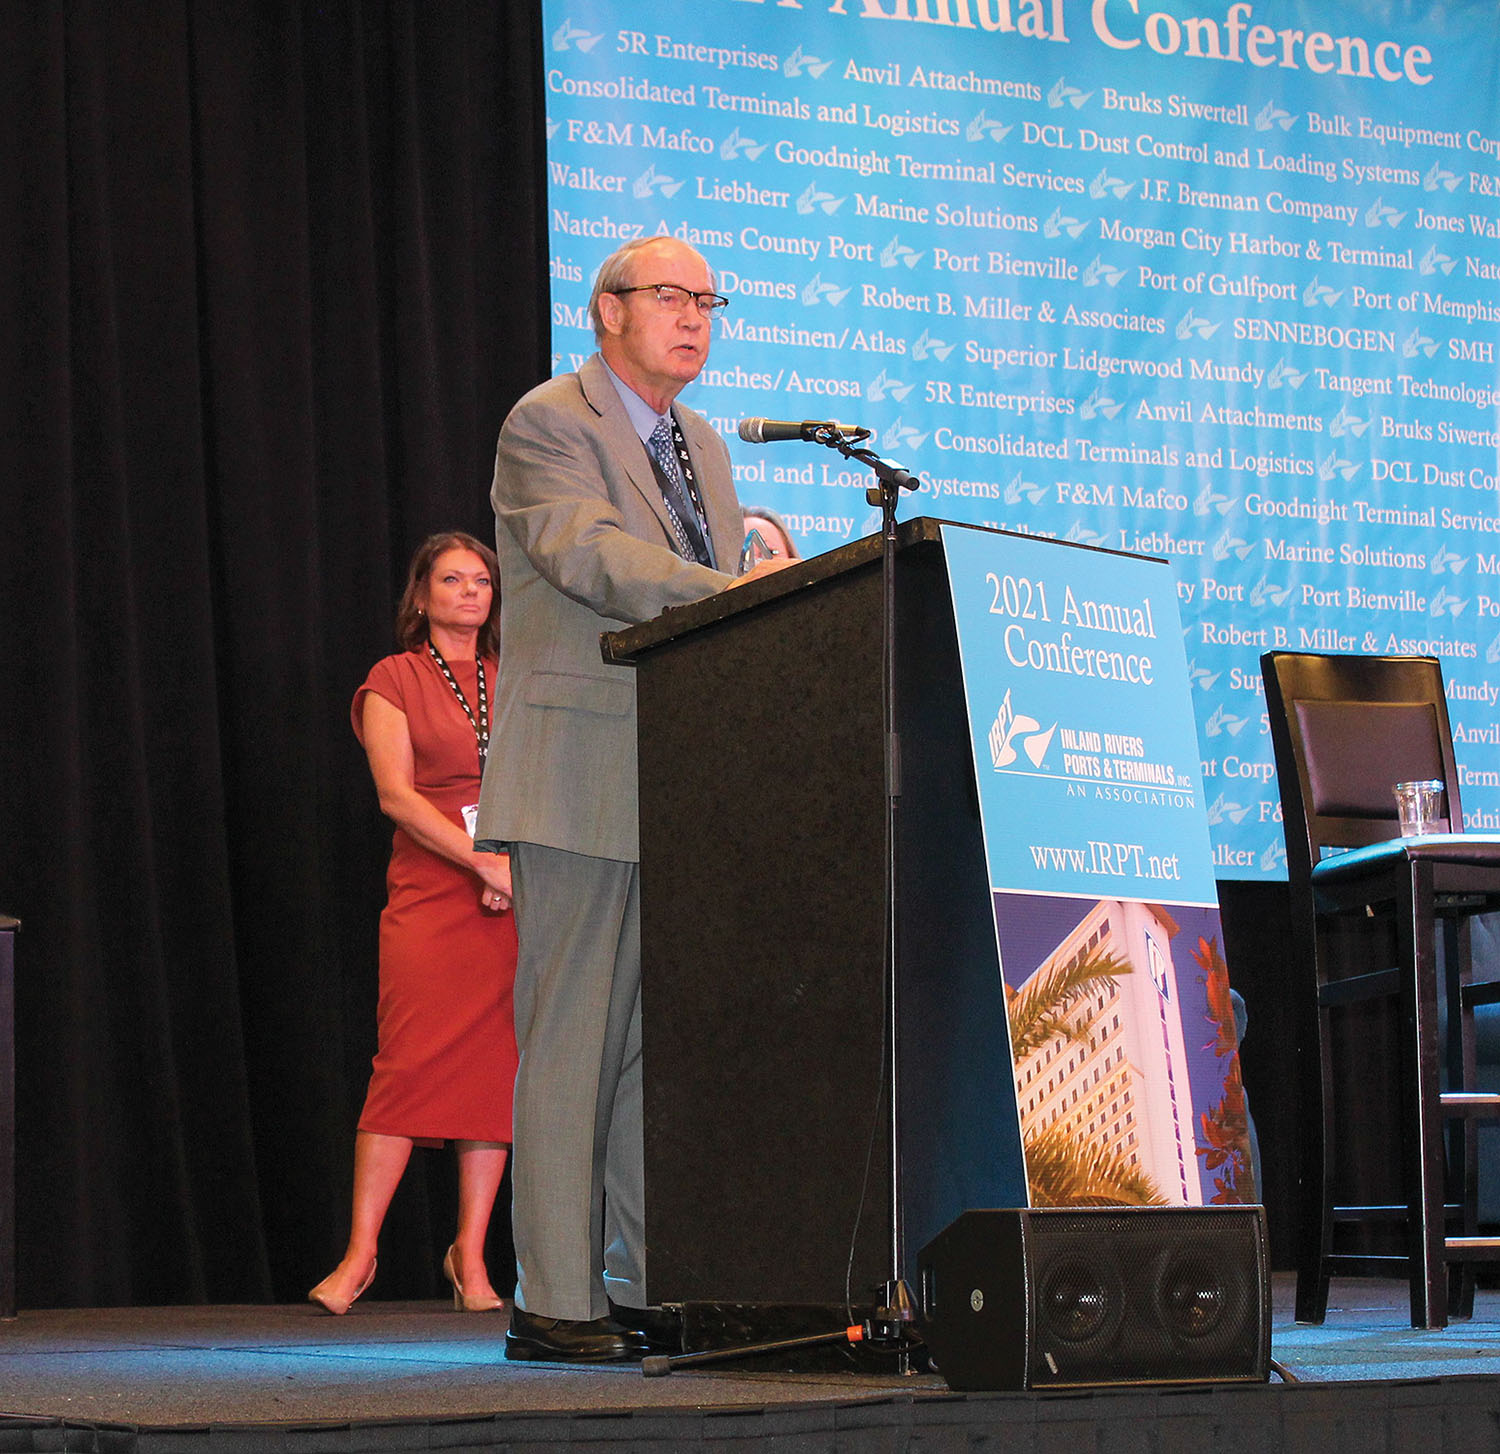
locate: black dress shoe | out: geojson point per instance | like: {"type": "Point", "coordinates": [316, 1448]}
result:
{"type": "Point", "coordinates": [565, 1340]}
{"type": "Point", "coordinates": [660, 1327]}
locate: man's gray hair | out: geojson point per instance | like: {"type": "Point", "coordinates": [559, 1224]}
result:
{"type": "Point", "coordinates": [614, 273]}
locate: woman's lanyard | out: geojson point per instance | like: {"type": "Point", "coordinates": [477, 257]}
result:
{"type": "Point", "coordinates": [481, 726]}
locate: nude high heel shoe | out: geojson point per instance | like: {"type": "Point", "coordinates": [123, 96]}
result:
{"type": "Point", "coordinates": [331, 1302]}
{"type": "Point", "coordinates": [462, 1302]}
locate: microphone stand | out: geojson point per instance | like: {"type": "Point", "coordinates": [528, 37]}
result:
{"type": "Point", "coordinates": [893, 1323]}
{"type": "Point", "coordinates": [891, 479]}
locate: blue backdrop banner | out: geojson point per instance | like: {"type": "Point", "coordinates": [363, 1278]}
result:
{"type": "Point", "coordinates": [1210, 281]}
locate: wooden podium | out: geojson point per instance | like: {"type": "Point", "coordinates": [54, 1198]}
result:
{"type": "Point", "coordinates": [780, 1168]}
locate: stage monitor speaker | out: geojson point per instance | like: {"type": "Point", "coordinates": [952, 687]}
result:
{"type": "Point", "coordinates": [1058, 1298]}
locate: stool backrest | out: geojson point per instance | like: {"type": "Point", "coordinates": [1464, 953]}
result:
{"type": "Point", "coordinates": [1345, 730]}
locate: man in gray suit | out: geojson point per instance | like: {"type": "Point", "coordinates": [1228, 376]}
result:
{"type": "Point", "coordinates": [611, 504]}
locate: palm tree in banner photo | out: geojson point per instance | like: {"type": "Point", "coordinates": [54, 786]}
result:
{"type": "Point", "coordinates": [1062, 1171]}
{"type": "Point", "coordinates": [1225, 1127]}
{"type": "Point", "coordinates": [1075, 1087]}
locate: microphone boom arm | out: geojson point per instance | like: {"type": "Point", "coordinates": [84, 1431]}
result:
{"type": "Point", "coordinates": [893, 477]}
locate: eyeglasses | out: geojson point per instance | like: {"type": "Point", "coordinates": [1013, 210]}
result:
{"type": "Point", "coordinates": [675, 299]}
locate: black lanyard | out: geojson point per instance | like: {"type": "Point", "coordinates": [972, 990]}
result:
{"type": "Point", "coordinates": [481, 726]}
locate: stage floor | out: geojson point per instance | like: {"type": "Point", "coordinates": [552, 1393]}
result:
{"type": "Point", "coordinates": [416, 1375]}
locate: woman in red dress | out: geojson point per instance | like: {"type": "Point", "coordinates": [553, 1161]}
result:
{"type": "Point", "coordinates": [446, 1062]}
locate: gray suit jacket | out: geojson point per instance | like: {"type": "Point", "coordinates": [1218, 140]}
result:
{"type": "Point", "coordinates": [585, 546]}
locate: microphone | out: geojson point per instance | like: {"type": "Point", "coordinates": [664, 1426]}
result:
{"type": "Point", "coordinates": [771, 431]}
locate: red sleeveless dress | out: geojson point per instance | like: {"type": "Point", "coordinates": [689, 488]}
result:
{"type": "Point", "coordinates": [446, 1063]}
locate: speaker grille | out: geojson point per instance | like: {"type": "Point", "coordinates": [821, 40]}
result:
{"type": "Point", "coordinates": [1143, 1295]}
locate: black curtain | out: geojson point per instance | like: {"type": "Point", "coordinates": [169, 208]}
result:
{"type": "Point", "coordinates": [273, 273]}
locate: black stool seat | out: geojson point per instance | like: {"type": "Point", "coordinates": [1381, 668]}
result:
{"type": "Point", "coordinates": [1345, 871]}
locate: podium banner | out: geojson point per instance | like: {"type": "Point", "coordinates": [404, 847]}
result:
{"type": "Point", "coordinates": [1123, 1037]}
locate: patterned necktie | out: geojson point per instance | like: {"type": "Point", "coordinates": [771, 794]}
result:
{"type": "Point", "coordinates": [661, 446]}
{"type": "Point", "coordinates": [685, 524]}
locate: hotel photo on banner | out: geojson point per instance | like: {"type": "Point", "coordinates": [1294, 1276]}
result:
{"type": "Point", "coordinates": [1210, 282]}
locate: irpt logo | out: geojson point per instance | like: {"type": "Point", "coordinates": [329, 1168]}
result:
{"type": "Point", "coordinates": [1008, 727]}
{"type": "Point", "coordinates": [799, 61]}
{"type": "Point", "coordinates": [568, 36]}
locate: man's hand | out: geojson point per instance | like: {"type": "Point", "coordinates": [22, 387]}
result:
{"type": "Point", "coordinates": [761, 568]}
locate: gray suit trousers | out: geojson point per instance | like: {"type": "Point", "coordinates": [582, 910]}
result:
{"type": "Point", "coordinates": [578, 980]}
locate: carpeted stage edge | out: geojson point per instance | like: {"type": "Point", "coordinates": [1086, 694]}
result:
{"type": "Point", "coordinates": [1457, 1415]}
{"type": "Point", "coordinates": [406, 1376]}
{"type": "Point", "coordinates": [1446, 1416]}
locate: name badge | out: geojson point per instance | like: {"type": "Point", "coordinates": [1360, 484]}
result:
{"type": "Point", "coordinates": [471, 817]}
